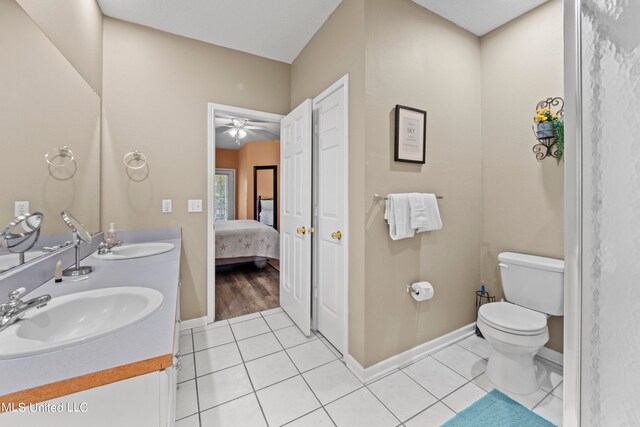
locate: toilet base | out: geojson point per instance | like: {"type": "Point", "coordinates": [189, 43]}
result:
{"type": "Point", "coordinates": [513, 372]}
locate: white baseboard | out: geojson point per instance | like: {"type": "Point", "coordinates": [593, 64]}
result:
{"type": "Point", "coordinates": [552, 356]}
{"type": "Point", "coordinates": [193, 323]}
{"type": "Point", "coordinates": [382, 368]}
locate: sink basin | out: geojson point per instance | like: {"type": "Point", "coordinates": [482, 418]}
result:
{"type": "Point", "coordinates": [136, 250]}
{"type": "Point", "coordinates": [8, 261]}
{"type": "Point", "coordinates": [77, 318]}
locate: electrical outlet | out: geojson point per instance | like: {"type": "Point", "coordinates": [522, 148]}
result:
{"type": "Point", "coordinates": [21, 208]}
{"type": "Point", "coordinates": [167, 206]}
{"type": "Point", "coordinates": [194, 206]}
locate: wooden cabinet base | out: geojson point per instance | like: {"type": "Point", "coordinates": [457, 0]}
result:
{"type": "Point", "coordinates": [85, 382]}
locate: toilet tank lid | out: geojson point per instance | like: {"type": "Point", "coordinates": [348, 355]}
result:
{"type": "Point", "coordinates": [532, 261]}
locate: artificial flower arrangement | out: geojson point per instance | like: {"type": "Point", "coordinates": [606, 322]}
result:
{"type": "Point", "coordinates": [550, 125]}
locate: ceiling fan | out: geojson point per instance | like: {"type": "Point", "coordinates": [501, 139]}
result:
{"type": "Point", "coordinates": [239, 128]}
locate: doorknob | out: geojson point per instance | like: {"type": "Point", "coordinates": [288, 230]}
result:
{"type": "Point", "coordinates": [336, 235]}
{"type": "Point", "coordinates": [301, 230]}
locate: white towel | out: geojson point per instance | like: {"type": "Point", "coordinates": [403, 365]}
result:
{"type": "Point", "coordinates": [397, 213]}
{"type": "Point", "coordinates": [425, 215]}
{"type": "Point", "coordinates": [408, 213]}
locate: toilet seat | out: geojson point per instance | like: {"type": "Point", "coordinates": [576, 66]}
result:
{"type": "Point", "coordinates": [513, 319]}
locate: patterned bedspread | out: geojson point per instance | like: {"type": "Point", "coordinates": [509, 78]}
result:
{"type": "Point", "coordinates": [245, 238]}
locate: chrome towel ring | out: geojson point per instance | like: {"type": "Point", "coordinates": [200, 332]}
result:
{"type": "Point", "coordinates": [135, 156]}
{"type": "Point", "coordinates": [59, 153]}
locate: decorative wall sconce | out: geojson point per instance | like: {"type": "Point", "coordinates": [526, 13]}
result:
{"type": "Point", "coordinates": [549, 129]}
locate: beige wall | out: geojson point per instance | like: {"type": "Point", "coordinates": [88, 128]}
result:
{"type": "Point", "coordinates": [383, 319]}
{"type": "Point", "coordinates": [338, 48]}
{"type": "Point", "coordinates": [44, 104]}
{"type": "Point", "coordinates": [522, 63]}
{"type": "Point", "coordinates": [415, 58]}
{"type": "Point", "coordinates": [156, 89]}
{"type": "Point", "coordinates": [75, 27]}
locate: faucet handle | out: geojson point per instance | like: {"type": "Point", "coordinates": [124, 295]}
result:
{"type": "Point", "coordinates": [15, 295]}
{"type": "Point", "coordinates": [14, 301]}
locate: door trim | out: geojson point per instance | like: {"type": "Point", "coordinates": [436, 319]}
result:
{"type": "Point", "coordinates": [212, 108]}
{"type": "Point", "coordinates": [342, 82]}
{"type": "Point", "coordinates": [573, 226]}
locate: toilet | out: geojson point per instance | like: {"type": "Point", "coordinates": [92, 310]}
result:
{"type": "Point", "coordinates": [516, 329]}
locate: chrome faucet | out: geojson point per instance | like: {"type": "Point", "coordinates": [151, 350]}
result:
{"type": "Point", "coordinates": [12, 311]}
{"type": "Point", "coordinates": [105, 247]}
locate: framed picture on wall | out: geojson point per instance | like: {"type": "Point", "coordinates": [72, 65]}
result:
{"type": "Point", "coordinates": [411, 135]}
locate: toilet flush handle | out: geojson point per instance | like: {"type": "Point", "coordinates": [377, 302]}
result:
{"type": "Point", "coordinates": [501, 265]}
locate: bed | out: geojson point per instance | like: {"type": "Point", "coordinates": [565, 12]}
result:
{"type": "Point", "coordinates": [243, 241]}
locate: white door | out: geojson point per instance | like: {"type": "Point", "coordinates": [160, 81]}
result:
{"type": "Point", "coordinates": [331, 213]}
{"type": "Point", "coordinates": [295, 217]}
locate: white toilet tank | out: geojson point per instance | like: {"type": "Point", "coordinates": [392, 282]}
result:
{"type": "Point", "coordinates": [533, 282]}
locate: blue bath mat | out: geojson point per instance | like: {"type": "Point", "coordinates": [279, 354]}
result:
{"type": "Point", "coordinates": [497, 410]}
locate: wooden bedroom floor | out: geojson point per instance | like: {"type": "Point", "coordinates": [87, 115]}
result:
{"type": "Point", "coordinates": [245, 290]}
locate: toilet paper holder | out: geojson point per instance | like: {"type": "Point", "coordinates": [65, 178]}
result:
{"type": "Point", "coordinates": [420, 291]}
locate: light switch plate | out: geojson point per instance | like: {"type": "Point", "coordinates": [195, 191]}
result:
{"type": "Point", "coordinates": [194, 206]}
{"type": "Point", "coordinates": [167, 206]}
{"type": "Point", "coordinates": [21, 207]}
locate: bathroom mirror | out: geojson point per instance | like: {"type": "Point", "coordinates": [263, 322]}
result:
{"type": "Point", "coordinates": [19, 237]}
{"type": "Point", "coordinates": [265, 194]}
{"type": "Point", "coordinates": [49, 128]}
{"type": "Point", "coordinates": [76, 227]}
{"type": "Point", "coordinates": [80, 234]}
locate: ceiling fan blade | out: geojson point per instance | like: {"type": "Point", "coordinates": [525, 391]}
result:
{"type": "Point", "coordinates": [261, 133]}
{"type": "Point", "coordinates": [259, 121]}
{"type": "Point", "coordinates": [223, 131]}
{"type": "Point", "coordinates": [224, 126]}
{"type": "Point", "coordinates": [255, 127]}
{"type": "Point", "coordinates": [224, 116]}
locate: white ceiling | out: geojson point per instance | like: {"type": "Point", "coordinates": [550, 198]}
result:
{"type": "Point", "coordinates": [270, 132]}
{"type": "Point", "coordinates": [480, 16]}
{"type": "Point", "coordinates": [275, 29]}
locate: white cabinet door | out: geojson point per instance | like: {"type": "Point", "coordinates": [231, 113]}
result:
{"type": "Point", "coordinates": [169, 382]}
{"type": "Point", "coordinates": [132, 402]}
{"type": "Point", "coordinates": [295, 208]}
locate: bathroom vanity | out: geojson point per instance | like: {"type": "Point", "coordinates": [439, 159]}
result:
{"type": "Point", "coordinates": [126, 377]}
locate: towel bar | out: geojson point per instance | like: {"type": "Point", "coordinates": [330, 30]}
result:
{"type": "Point", "coordinates": [378, 197]}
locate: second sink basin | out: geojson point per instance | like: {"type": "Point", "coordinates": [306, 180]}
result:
{"type": "Point", "coordinates": [77, 318]}
{"type": "Point", "coordinates": [136, 250]}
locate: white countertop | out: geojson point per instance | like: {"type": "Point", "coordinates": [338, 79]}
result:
{"type": "Point", "coordinates": [152, 337]}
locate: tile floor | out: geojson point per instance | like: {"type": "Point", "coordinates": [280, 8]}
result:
{"type": "Point", "coordinates": [260, 370]}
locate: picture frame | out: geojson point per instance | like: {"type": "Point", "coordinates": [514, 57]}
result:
{"type": "Point", "coordinates": [410, 135]}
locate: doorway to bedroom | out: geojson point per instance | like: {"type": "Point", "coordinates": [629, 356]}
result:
{"type": "Point", "coordinates": [278, 239]}
{"type": "Point", "coordinates": [245, 191]}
